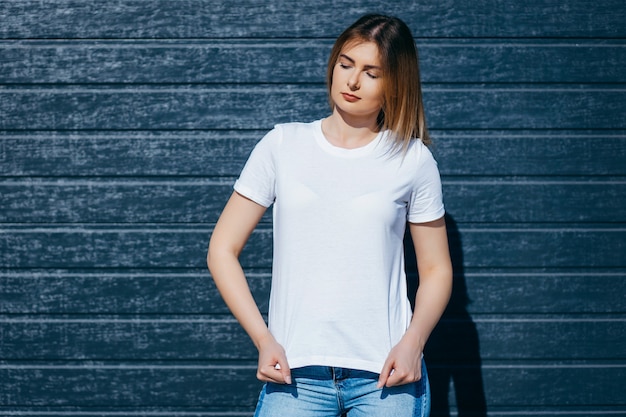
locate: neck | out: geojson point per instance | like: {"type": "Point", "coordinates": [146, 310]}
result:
{"type": "Point", "coordinates": [349, 132]}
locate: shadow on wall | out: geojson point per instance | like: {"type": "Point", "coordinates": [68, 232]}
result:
{"type": "Point", "coordinates": [452, 353]}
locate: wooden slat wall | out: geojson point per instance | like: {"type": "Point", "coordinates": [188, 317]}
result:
{"type": "Point", "coordinates": [123, 125]}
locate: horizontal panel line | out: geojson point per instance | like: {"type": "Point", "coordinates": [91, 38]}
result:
{"type": "Point", "coordinates": [126, 366]}
{"type": "Point", "coordinates": [116, 275]}
{"type": "Point", "coordinates": [539, 133]}
{"type": "Point", "coordinates": [214, 134]}
{"type": "Point", "coordinates": [37, 274]}
{"type": "Point", "coordinates": [192, 228]}
{"type": "Point", "coordinates": [282, 88]}
{"type": "Point", "coordinates": [185, 88]}
{"type": "Point", "coordinates": [172, 412]}
{"type": "Point", "coordinates": [262, 42]}
{"type": "Point", "coordinates": [164, 133]}
{"type": "Point", "coordinates": [184, 180]}
{"type": "Point", "coordinates": [80, 229]}
{"type": "Point", "coordinates": [88, 366]}
{"type": "Point", "coordinates": [494, 412]}
{"type": "Point", "coordinates": [478, 319]}
{"type": "Point", "coordinates": [295, 37]}
{"type": "Point", "coordinates": [544, 274]}
{"type": "Point", "coordinates": [216, 179]}
{"type": "Point", "coordinates": [545, 230]}
{"type": "Point", "coordinates": [554, 366]}
{"type": "Point", "coordinates": [124, 320]}
{"type": "Point", "coordinates": [221, 134]}
{"type": "Point", "coordinates": [448, 180]}
{"type": "Point", "coordinates": [177, 412]}
{"type": "Point", "coordinates": [256, 43]}
{"type": "Point", "coordinates": [475, 319]}
{"type": "Point", "coordinates": [123, 181]}
{"type": "Point", "coordinates": [574, 181]}
{"type": "Point", "coordinates": [108, 133]}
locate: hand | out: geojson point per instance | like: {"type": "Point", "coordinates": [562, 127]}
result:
{"type": "Point", "coordinates": [273, 366]}
{"type": "Point", "coordinates": [403, 365]}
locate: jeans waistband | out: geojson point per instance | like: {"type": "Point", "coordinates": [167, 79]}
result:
{"type": "Point", "coordinates": [331, 373]}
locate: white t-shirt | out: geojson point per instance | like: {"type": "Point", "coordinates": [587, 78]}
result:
{"type": "Point", "coordinates": [338, 295]}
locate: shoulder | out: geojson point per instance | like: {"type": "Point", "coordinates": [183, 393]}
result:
{"type": "Point", "coordinates": [284, 139]}
{"type": "Point", "coordinates": [289, 135]}
{"type": "Point", "coordinates": [413, 157]}
{"type": "Point", "coordinates": [418, 163]}
{"type": "Point", "coordinates": [288, 129]}
{"type": "Point", "coordinates": [420, 153]}
{"type": "Point", "coordinates": [282, 130]}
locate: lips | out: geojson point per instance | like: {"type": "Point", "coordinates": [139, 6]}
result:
{"type": "Point", "coordinates": [350, 98]}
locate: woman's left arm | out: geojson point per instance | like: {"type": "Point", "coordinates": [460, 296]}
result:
{"type": "Point", "coordinates": [404, 363]}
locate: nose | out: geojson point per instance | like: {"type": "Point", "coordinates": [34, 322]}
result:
{"type": "Point", "coordinates": [353, 81]}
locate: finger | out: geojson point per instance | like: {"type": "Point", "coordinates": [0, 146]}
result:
{"type": "Point", "coordinates": [395, 378]}
{"type": "Point", "coordinates": [284, 369]}
{"type": "Point", "coordinates": [401, 378]}
{"type": "Point", "coordinates": [270, 374]}
{"type": "Point", "coordinates": [278, 372]}
{"type": "Point", "coordinates": [385, 374]}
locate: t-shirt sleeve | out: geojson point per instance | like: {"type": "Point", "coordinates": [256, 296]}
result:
{"type": "Point", "coordinates": [258, 178]}
{"type": "Point", "coordinates": [426, 202]}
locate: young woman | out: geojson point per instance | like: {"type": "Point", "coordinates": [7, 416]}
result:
{"type": "Point", "coordinates": [342, 338]}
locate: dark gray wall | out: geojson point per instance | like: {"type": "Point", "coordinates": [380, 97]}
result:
{"type": "Point", "coordinates": [124, 123]}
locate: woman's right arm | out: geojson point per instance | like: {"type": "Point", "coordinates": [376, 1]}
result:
{"type": "Point", "coordinates": [239, 218]}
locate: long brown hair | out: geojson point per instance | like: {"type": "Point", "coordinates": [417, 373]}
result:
{"type": "Point", "coordinates": [402, 110]}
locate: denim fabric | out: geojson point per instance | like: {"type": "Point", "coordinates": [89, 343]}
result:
{"type": "Point", "coordinates": [321, 391]}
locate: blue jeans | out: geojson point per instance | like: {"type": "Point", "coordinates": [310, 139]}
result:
{"type": "Point", "coordinates": [321, 391]}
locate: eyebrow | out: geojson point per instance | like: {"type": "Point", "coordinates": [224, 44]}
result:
{"type": "Point", "coordinates": [365, 66]}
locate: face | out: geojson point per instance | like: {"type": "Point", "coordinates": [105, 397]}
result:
{"type": "Point", "coordinates": [357, 87]}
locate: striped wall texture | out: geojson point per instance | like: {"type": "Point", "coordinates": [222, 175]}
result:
{"type": "Point", "coordinates": [123, 124]}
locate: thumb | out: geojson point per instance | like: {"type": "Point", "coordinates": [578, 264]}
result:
{"type": "Point", "coordinates": [284, 369]}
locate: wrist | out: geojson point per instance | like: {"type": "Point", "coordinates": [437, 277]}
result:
{"type": "Point", "coordinates": [263, 339]}
{"type": "Point", "coordinates": [415, 338]}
